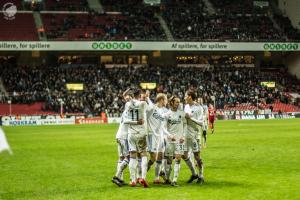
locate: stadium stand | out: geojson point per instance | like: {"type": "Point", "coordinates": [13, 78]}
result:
{"type": "Point", "coordinates": [66, 5]}
{"type": "Point", "coordinates": [133, 20]}
{"type": "Point", "coordinates": [238, 7]}
{"type": "Point", "coordinates": [234, 21]}
{"type": "Point", "coordinates": [140, 25]}
{"type": "Point", "coordinates": [21, 28]}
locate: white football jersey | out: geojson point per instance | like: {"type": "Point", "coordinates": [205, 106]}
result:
{"type": "Point", "coordinates": [176, 123]}
{"type": "Point", "coordinates": [135, 111]}
{"type": "Point", "coordinates": [205, 111]}
{"type": "Point", "coordinates": [123, 128]}
{"type": "Point", "coordinates": [155, 119]}
{"type": "Point", "coordinates": [196, 112]}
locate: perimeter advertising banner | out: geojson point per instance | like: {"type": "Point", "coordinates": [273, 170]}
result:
{"type": "Point", "coordinates": [145, 46]}
{"type": "Point", "coordinates": [36, 120]}
{"type": "Point", "coordinates": [258, 117]}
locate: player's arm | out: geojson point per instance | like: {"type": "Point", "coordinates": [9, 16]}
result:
{"type": "Point", "coordinates": [128, 121]}
{"type": "Point", "coordinates": [125, 93]}
{"type": "Point", "coordinates": [184, 127]}
{"type": "Point", "coordinates": [164, 128]}
{"type": "Point", "coordinates": [150, 104]}
{"type": "Point", "coordinates": [148, 100]}
{"type": "Point", "coordinates": [199, 120]}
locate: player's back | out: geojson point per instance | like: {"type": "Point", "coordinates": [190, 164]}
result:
{"type": "Point", "coordinates": [135, 110]}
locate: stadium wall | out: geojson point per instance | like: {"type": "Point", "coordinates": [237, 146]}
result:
{"type": "Point", "coordinates": [293, 63]}
{"type": "Point", "coordinates": [154, 57]}
{"type": "Point", "coordinates": [72, 120]}
{"type": "Point", "coordinates": [291, 9]}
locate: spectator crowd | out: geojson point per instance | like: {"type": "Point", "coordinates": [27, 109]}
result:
{"type": "Point", "coordinates": [103, 87]}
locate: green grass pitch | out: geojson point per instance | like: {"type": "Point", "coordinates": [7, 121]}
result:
{"type": "Point", "coordinates": [243, 160]}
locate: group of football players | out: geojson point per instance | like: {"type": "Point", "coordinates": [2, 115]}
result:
{"type": "Point", "coordinates": [166, 130]}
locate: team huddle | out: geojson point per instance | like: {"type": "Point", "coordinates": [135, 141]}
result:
{"type": "Point", "coordinates": [168, 131]}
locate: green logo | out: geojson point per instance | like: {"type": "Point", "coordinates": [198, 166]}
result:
{"type": "Point", "coordinates": [112, 45]}
{"type": "Point", "coordinates": [281, 46]}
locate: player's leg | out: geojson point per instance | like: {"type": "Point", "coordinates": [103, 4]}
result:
{"type": "Point", "coordinates": [204, 129]}
{"type": "Point", "coordinates": [117, 178]}
{"type": "Point", "coordinates": [179, 152]}
{"type": "Point", "coordinates": [122, 163]}
{"type": "Point", "coordinates": [188, 161]}
{"type": "Point", "coordinates": [139, 168]}
{"type": "Point", "coordinates": [157, 148]}
{"type": "Point", "coordinates": [169, 152]}
{"type": "Point", "coordinates": [200, 167]}
{"type": "Point", "coordinates": [151, 160]}
{"type": "Point", "coordinates": [211, 122]}
{"type": "Point", "coordinates": [124, 154]}
{"type": "Point", "coordinates": [196, 151]}
{"type": "Point", "coordinates": [162, 172]}
{"type": "Point", "coordinates": [132, 141]}
{"type": "Point", "coordinates": [142, 146]}
{"type": "Point", "coordinates": [152, 154]}
{"type": "Point", "coordinates": [176, 169]}
{"type": "Point", "coordinates": [158, 167]}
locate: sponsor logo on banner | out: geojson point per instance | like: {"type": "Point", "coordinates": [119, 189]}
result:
{"type": "Point", "coordinates": [238, 112]}
{"type": "Point", "coordinates": [112, 45]}
{"type": "Point", "coordinates": [9, 11]}
{"type": "Point", "coordinates": [281, 46]}
{"type": "Point", "coordinates": [152, 2]}
{"type": "Point", "coordinates": [285, 116]}
{"type": "Point", "coordinates": [261, 3]}
{"type": "Point", "coordinates": [57, 121]}
{"type": "Point", "coordinates": [36, 120]}
{"type": "Point", "coordinates": [144, 46]}
{"type": "Point", "coordinates": [258, 117]}
{"type": "Point", "coordinates": [95, 120]}
{"type": "Point", "coordinates": [21, 123]}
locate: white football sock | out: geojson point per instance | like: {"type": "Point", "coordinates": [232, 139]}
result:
{"type": "Point", "coordinates": [139, 168]}
{"type": "Point", "coordinates": [121, 168]}
{"type": "Point", "coordinates": [132, 169]}
{"type": "Point", "coordinates": [144, 166]}
{"type": "Point", "coordinates": [176, 170]}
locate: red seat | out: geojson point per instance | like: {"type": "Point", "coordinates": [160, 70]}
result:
{"type": "Point", "coordinates": [21, 28]}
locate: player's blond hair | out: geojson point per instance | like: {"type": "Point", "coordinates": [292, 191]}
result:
{"type": "Point", "coordinates": [160, 96]}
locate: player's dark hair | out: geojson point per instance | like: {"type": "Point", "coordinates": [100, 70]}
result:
{"type": "Point", "coordinates": [136, 92]}
{"type": "Point", "coordinates": [192, 94]}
